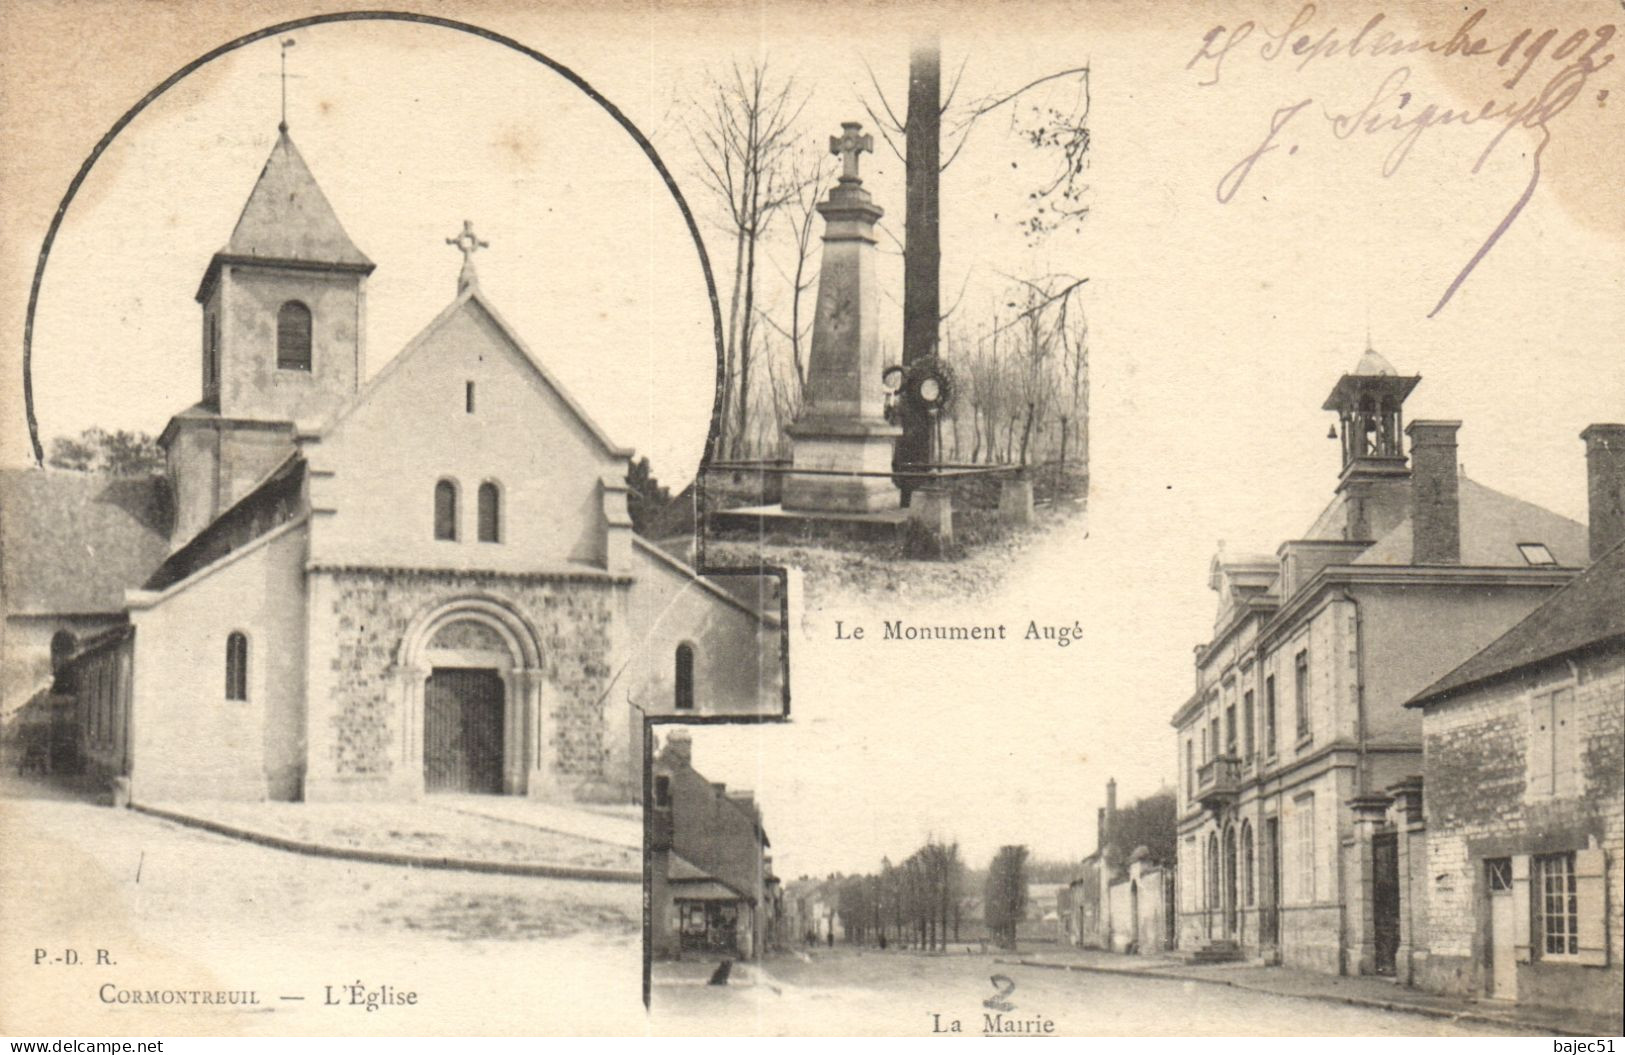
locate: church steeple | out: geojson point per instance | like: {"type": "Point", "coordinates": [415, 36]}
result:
{"type": "Point", "coordinates": [287, 219]}
{"type": "Point", "coordinates": [283, 301]}
{"type": "Point", "coordinates": [283, 317]}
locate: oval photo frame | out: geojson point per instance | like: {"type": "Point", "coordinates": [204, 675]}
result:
{"type": "Point", "coordinates": [557, 67]}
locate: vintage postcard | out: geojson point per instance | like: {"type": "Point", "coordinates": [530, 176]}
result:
{"type": "Point", "coordinates": [1087, 519]}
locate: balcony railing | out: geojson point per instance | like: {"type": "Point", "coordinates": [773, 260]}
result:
{"type": "Point", "coordinates": [1218, 782]}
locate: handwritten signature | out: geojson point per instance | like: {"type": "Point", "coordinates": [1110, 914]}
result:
{"type": "Point", "coordinates": [1389, 109]}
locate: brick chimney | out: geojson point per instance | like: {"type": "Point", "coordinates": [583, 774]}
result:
{"type": "Point", "coordinates": [1435, 497]}
{"type": "Point", "coordinates": [1605, 485]}
{"type": "Point", "coordinates": [679, 748]}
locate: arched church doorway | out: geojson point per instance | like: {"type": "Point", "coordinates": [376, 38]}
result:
{"type": "Point", "coordinates": [462, 730]}
{"type": "Point", "coordinates": [474, 715]}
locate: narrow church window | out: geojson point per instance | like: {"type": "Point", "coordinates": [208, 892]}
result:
{"type": "Point", "coordinates": [468, 397]}
{"type": "Point", "coordinates": [490, 501]}
{"type": "Point", "coordinates": [237, 666]}
{"type": "Point", "coordinates": [445, 510]}
{"type": "Point", "coordinates": [293, 337]}
{"type": "Point", "coordinates": [211, 354]}
{"type": "Point", "coordinates": [685, 677]}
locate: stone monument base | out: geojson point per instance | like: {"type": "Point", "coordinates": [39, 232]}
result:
{"type": "Point", "coordinates": [845, 447]}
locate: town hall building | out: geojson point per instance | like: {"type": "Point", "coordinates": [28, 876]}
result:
{"type": "Point", "coordinates": [1297, 744]}
{"type": "Point", "coordinates": [427, 581]}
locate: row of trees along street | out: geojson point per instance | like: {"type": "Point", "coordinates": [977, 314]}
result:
{"type": "Point", "coordinates": [1017, 347]}
{"type": "Point", "coordinates": [924, 902]}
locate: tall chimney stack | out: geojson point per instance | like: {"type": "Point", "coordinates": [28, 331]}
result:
{"type": "Point", "coordinates": [1605, 485]}
{"type": "Point", "coordinates": [1435, 493]}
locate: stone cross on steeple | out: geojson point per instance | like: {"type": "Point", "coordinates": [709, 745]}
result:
{"type": "Point", "coordinates": [848, 145]}
{"type": "Point", "coordinates": [468, 244]}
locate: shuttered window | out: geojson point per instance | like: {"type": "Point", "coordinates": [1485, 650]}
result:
{"type": "Point", "coordinates": [1300, 689]}
{"type": "Point", "coordinates": [1553, 745]}
{"type": "Point", "coordinates": [293, 336]}
{"type": "Point", "coordinates": [1560, 907]}
{"type": "Point", "coordinates": [1303, 840]}
{"type": "Point", "coordinates": [1557, 906]}
{"type": "Point", "coordinates": [1269, 715]}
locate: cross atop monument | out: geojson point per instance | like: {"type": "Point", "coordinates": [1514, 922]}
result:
{"type": "Point", "coordinates": [849, 144]}
{"type": "Point", "coordinates": [467, 243]}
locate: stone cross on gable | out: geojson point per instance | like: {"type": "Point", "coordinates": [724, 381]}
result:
{"type": "Point", "coordinates": [468, 243]}
{"type": "Point", "coordinates": [849, 144]}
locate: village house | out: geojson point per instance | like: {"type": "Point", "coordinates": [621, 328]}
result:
{"type": "Point", "coordinates": [1297, 728]}
{"type": "Point", "coordinates": [356, 589]}
{"type": "Point", "coordinates": [712, 892]}
{"type": "Point", "coordinates": [1121, 898]}
{"type": "Point", "coordinates": [1515, 885]}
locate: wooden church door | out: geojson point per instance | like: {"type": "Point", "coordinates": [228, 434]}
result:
{"type": "Point", "coordinates": [462, 731]}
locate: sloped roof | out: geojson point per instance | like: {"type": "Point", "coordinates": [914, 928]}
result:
{"type": "Point", "coordinates": [695, 883]}
{"type": "Point", "coordinates": [287, 216]}
{"type": "Point", "coordinates": [1492, 525]}
{"type": "Point", "coordinates": [1586, 611]}
{"type": "Point", "coordinates": [73, 542]}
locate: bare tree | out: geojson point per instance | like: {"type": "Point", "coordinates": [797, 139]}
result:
{"type": "Point", "coordinates": [811, 170]}
{"type": "Point", "coordinates": [1075, 382]}
{"type": "Point", "coordinates": [744, 142]}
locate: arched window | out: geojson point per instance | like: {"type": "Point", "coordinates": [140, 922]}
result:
{"type": "Point", "coordinates": [237, 666]}
{"type": "Point", "coordinates": [490, 507]}
{"type": "Point", "coordinates": [293, 336]}
{"type": "Point", "coordinates": [445, 510]}
{"type": "Point", "coordinates": [685, 677]}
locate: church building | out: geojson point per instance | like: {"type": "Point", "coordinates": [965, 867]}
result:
{"type": "Point", "coordinates": [427, 581]}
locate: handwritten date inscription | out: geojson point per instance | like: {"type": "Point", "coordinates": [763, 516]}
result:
{"type": "Point", "coordinates": [1546, 71]}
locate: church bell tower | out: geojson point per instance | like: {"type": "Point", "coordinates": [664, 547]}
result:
{"type": "Point", "coordinates": [282, 341]}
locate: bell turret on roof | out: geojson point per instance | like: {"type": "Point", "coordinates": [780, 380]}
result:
{"type": "Point", "coordinates": [1372, 364]}
{"type": "Point", "coordinates": [288, 219]}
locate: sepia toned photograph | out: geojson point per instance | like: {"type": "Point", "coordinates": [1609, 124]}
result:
{"type": "Point", "coordinates": [370, 624]}
{"type": "Point", "coordinates": [910, 520]}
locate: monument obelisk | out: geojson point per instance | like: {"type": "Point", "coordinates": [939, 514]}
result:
{"type": "Point", "coordinates": [842, 425]}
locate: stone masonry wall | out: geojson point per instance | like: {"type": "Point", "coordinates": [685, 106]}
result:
{"type": "Point", "coordinates": [370, 613]}
{"type": "Point", "coordinates": [1477, 807]}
